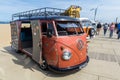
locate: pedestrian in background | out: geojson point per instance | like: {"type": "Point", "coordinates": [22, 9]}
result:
{"type": "Point", "coordinates": [98, 28]}
{"type": "Point", "coordinates": [116, 26]}
{"type": "Point", "coordinates": [118, 30]}
{"type": "Point", "coordinates": [105, 28]}
{"type": "Point", "coordinates": [112, 27]}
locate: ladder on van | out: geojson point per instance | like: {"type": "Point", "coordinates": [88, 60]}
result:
{"type": "Point", "coordinates": [47, 11]}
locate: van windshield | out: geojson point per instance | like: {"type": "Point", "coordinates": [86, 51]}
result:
{"type": "Point", "coordinates": [86, 23]}
{"type": "Point", "coordinates": [69, 28]}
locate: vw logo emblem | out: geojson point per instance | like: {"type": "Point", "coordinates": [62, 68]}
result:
{"type": "Point", "coordinates": [80, 44]}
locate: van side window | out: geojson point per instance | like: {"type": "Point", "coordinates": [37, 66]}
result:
{"type": "Point", "coordinates": [50, 26]}
{"type": "Point", "coordinates": [44, 28]}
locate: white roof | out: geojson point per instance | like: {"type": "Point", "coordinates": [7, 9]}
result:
{"type": "Point", "coordinates": [83, 19]}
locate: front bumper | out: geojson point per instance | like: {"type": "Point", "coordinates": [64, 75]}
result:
{"type": "Point", "coordinates": [80, 66]}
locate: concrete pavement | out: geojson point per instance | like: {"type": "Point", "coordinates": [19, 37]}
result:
{"type": "Point", "coordinates": [104, 63]}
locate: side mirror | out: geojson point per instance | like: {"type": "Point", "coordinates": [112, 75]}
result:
{"type": "Point", "coordinates": [49, 33]}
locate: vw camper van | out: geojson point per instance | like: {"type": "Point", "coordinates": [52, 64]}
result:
{"type": "Point", "coordinates": [54, 41]}
{"type": "Point", "coordinates": [88, 27]}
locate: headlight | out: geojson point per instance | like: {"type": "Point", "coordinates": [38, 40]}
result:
{"type": "Point", "coordinates": [66, 55]}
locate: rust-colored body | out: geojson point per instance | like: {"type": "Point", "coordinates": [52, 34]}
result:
{"type": "Point", "coordinates": [56, 46]}
{"type": "Point", "coordinates": [58, 43]}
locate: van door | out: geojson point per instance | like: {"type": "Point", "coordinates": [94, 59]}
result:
{"type": "Point", "coordinates": [37, 41]}
{"type": "Point", "coordinates": [15, 35]}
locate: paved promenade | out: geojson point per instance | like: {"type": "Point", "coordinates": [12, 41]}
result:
{"type": "Point", "coordinates": [104, 63]}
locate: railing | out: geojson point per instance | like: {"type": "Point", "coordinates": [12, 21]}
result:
{"type": "Point", "coordinates": [47, 11]}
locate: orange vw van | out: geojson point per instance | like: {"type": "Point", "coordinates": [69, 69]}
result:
{"type": "Point", "coordinates": [55, 42]}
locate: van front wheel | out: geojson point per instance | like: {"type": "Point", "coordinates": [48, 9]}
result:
{"type": "Point", "coordinates": [44, 65]}
{"type": "Point", "coordinates": [92, 32]}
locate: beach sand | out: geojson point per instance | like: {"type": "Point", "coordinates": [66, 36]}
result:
{"type": "Point", "coordinates": [15, 66]}
{"type": "Point", "coordinates": [5, 34]}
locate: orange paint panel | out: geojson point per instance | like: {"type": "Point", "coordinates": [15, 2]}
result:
{"type": "Point", "coordinates": [70, 43]}
{"type": "Point", "coordinates": [50, 50]}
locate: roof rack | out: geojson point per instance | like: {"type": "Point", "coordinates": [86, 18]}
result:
{"type": "Point", "coordinates": [47, 11]}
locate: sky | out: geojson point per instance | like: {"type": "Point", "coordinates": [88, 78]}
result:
{"type": "Point", "coordinates": [107, 10]}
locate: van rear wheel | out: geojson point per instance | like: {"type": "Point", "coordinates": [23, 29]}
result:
{"type": "Point", "coordinates": [44, 65]}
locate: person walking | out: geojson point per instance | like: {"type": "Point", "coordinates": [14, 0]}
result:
{"type": "Point", "coordinates": [112, 27]}
{"type": "Point", "coordinates": [116, 26]}
{"type": "Point", "coordinates": [118, 30]}
{"type": "Point", "coordinates": [105, 27]}
{"type": "Point", "coordinates": [98, 28]}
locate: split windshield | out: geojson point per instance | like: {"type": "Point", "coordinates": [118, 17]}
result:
{"type": "Point", "coordinates": [86, 23]}
{"type": "Point", "coordinates": [68, 28]}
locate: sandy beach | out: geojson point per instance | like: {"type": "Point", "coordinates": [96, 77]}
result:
{"type": "Point", "coordinates": [5, 33]}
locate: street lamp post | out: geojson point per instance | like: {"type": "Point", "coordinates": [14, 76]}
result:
{"type": "Point", "coordinates": [95, 13]}
{"type": "Point", "coordinates": [116, 19]}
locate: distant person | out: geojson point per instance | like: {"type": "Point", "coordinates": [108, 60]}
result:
{"type": "Point", "coordinates": [116, 26]}
{"type": "Point", "coordinates": [118, 30]}
{"type": "Point", "coordinates": [112, 27]}
{"type": "Point", "coordinates": [98, 28]}
{"type": "Point", "coordinates": [105, 28]}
